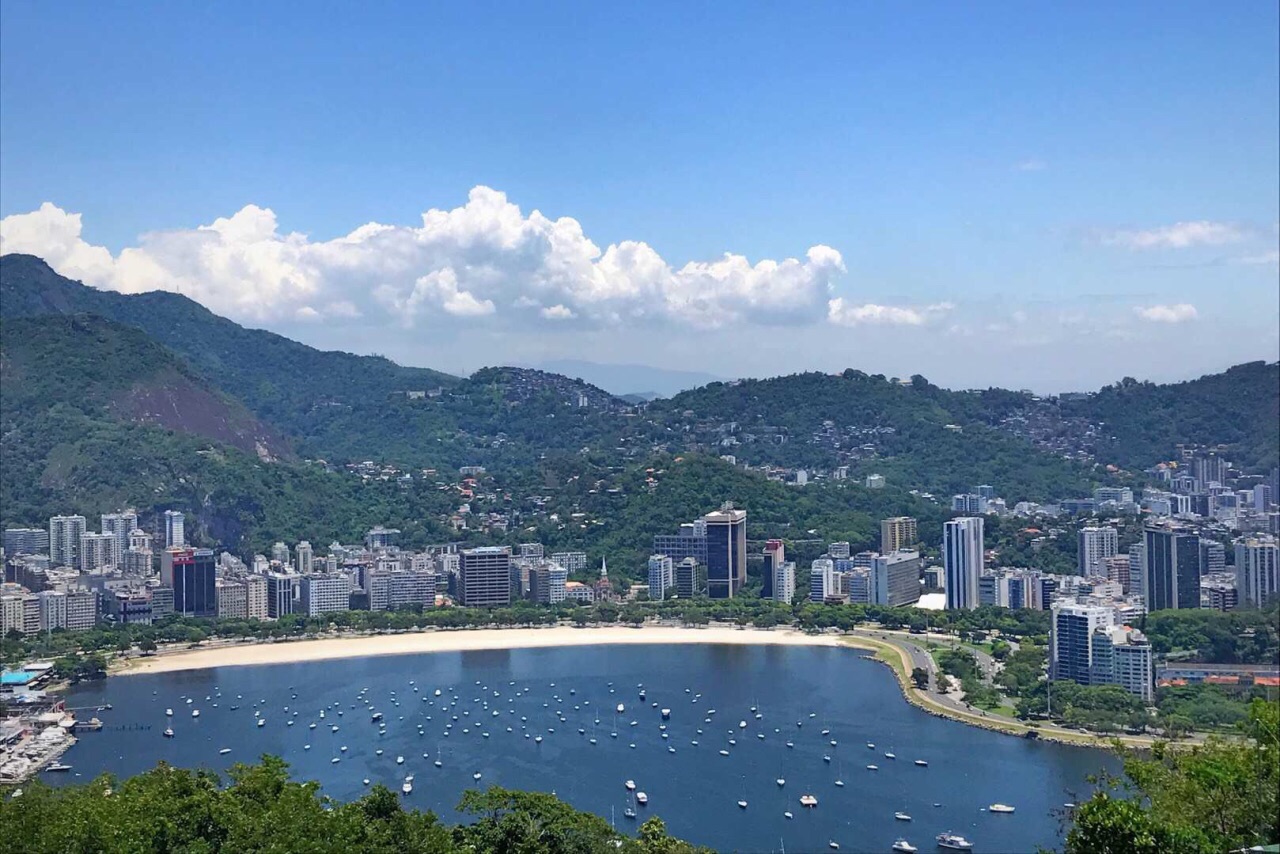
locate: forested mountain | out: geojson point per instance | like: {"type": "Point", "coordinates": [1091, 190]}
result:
{"type": "Point", "coordinates": [151, 400]}
{"type": "Point", "coordinates": [1239, 408]}
{"type": "Point", "coordinates": [278, 379]}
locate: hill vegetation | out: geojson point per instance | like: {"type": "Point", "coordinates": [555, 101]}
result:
{"type": "Point", "coordinates": [1145, 422]}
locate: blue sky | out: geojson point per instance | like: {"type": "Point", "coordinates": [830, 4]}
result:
{"type": "Point", "coordinates": [1051, 196]}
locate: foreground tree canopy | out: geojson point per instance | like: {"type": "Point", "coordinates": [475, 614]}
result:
{"type": "Point", "coordinates": [261, 810]}
{"type": "Point", "coordinates": [1221, 796]}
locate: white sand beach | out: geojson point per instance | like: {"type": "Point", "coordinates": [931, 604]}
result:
{"type": "Point", "coordinates": [458, 640]}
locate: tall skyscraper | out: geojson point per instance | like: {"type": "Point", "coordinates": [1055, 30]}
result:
{"type": "Point", "coordinates": [175, 529]}
{"type": "Point", "coordinates": [897, 534]}
{"type": "Point", "coordinates": [1256, 575]}
{"type": "Point", "coordinates": [662, 577]}
{"type": "Point", "coordinates": [726, 552]}
{"type": "Point", "coordinates": [1213, 557]}
{"type": "Point", "coordinates": [1172, 572]}
{"type": "Point", "coordinates": [1096, 544]}
{"type": "Point", "coordinates": [963, 557]}
{"type": "Point", "coordinates": [484, 577]}
{"type": "Point", "coordinates": [774, 555]}
{"type": "Point", "coordinates": [64, 539]}
{"type": "Point", "coordinates": [192, 574]}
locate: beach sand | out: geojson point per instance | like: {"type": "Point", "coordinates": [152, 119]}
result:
{"type": "Point", "coordinates": [458, 640]}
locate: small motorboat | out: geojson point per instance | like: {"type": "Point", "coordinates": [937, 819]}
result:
{"type": "Point", "coordinates": [901, 816]}
{"type": "Point", "coordinates": [922, 763]}
{"type": "Point", "coordinates": [224, 751]}
{"type": "Point", "coordinates": [642, 798]}
{"type": "Point", "coordinates": [902, 846]}
{"type": "Point", "coordinates": [742, 805]}
{"type": "Point", "coordinates": [1000, 808]}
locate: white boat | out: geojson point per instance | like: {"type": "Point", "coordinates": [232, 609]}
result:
{"type": "Point", "coordinates": [833, 845]}
{"type": "Point", "coordinates": [742, 805]}
{"type": "Point", "coordinates": [1000, 808]}
{"type": "Point", "coordinates": [407, 788]}
{"type": "Point", "coordinates": [58, 766]}
{"type": "Point", "coordinates": [788, 815]}
{"type": "Point", "coordinates": [890, 755]}
{"type": "Point", "coordinates": [262, 721]}
{"type": "Point", "coordinates": [168, 733]}
{"type": "Point", "coordinates": [621, 708]}
{"type": "Point", "coordinates": [904, 847]}
{"type": "Point", "coordinates": [781, 781]}
{"type": "Point", "coordinates": [334, 761]}
{"type": "Point", "coordinates": [642, 798]}
{"type": "Point", "coordinates": [871, 745]}
{"type": "Point", "coordinates": [724, 753]}
{"type": "Point", "coordinates": [476, 776]}
{"type": "Point", "coordinates": [630, 785]}
{"type": "Point", "coordinates": [224, 751]}
{"type": "Point", "coordinates": [629, 813]}
{"type": "Point", "coordinates": [195, 713]}
{"type": "Point", "coordinates": [666, 714]}
{"type": "Point", "coordinates": [873, 767]}
{"type": "Point", "coordinates": [168, 712]}
{"type": "Point", "coordinates": [901, 816]}
{"type": "Point", "coordinates": [808, 800]}
{"type": "Point", "coordinates": [954, 842]}
{"type": "Point", "coordinates": [840, 783]}
{"type": "Point", "coordinates": [922, 763]}
{"type": "Point", "coordinates": [742, 724]}
{"type": "Point", "coordinates": [399, 760]}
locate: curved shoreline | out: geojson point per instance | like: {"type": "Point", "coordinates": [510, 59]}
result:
{"type": "Point", "coordinates": [475, 640]}
{"type": "Point", "coordinates": [456, 640]}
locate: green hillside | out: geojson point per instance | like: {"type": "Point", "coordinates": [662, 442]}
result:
{"type": "Point", "coordinates": [1239, 408]}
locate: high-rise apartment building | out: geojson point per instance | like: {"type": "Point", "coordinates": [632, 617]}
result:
{"type": "Point", "coordinates": [1116, 568]}
{"type": "Point", "coordinates": [968, 503]}
{"type": "Point", "coordinates": [1256, 574]}
{"type": "Point", "coordinates": [1071, 639]}
{"type": "Point", "coordinates": [726, 552]}
{"type": "Point", "coordinates": [963, 558]}
{"type": "Point", "coordinates": [1171, 578]}
{"type": "Point", "coordinates": [64, 539]}
{"type": "Point", "coordinates": [840, 550]}
{"type": "Point", "coordinates": [572, 561]}
{"type": "Point", "coordinates": [783, 588]}
{"type": "Point", "coordinates": [25, 541]}
{"type": "Point", "coordinates": [774, 555]}
{"type": "Point", "coordinates": [1096, 544]}
{"type": "Point", "coordinates": [324, 594]}
{"type": "Point", "coordinates": [689, 579]}
{"type": "Point", "coordinates": [662, 577]}
{"type": "Point", "coordinates": [96, 551]}
{"type": "Point", "coordinates": [822, 580]}
{"type": "Point", "coordinates": [898, 534]}
{"type": "Point", "coordinates": [304, 558]}
{"type": "Point", "coordinates": [484, 577]}
{"type": "Point", "coordinates": [175, 529]}
{"type": "Point", "coordinates": [1122, 656]}
{"type": "Point", "coordinates": [895, 578]}
{"type": "Point", "coordinates": [233, 599]}
{"type": "Point", "coordinates": [192, 575]}
{"type": "Point", "coordinates": [256, 607]}
{"type": "Point", "coordinates": [282, 591]}
{"type": "Point", "coordinates": [1213, 557]}
{"type": "Point", "coordinates": [119, 525]}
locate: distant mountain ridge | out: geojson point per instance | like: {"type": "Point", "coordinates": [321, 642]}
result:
{"type": "Point", "coordinates": [628, 380]}
{"type": "Point", "coordinates": [153, 399]}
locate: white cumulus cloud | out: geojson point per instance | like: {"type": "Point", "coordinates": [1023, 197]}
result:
{"type": "Point", "coordinates": [1177, 313]}
{"type": "Point", "coordinates": [485, 259]}
{"type": "Point", "coordinates": [1180, 235]}
{"type": "Point", "coordinates": [845, 313]}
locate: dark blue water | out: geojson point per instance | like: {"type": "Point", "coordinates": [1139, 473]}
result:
{"type": "Point", "coordinates": [695, 790]}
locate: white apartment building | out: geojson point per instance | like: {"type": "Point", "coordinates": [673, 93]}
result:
{"type": "Point", "coordinates": [963, 557]}
{"type": "Point", "coordinates": [324, 594]}
{"type": "Point", "coordinates": [784, 581]}
{"type": "Point", "coordinates": [64, 539]}
{"type": "Point", "coordinates": [1096, 544]}
{"type": "Point", "coordinates": [662, 577]}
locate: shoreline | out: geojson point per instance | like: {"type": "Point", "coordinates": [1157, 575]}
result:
{"type": "Point", "coordinates": [883, 650]}
{"type": "Point", "coordinates": [456, 640]}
